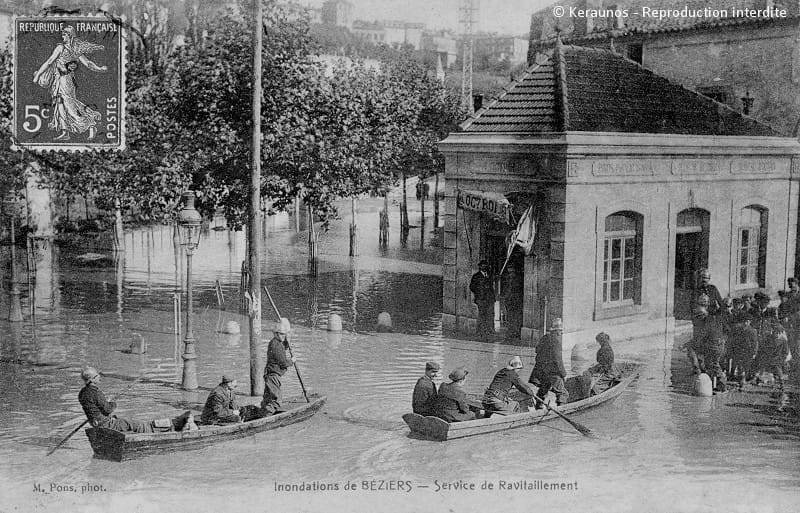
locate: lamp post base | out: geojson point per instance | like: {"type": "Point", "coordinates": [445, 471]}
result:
{"type": "Point", "coordinates": [189, 381]}
{"type": "Point", "coordinates": [14, 306]}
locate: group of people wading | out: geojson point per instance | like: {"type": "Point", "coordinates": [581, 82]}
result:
{"type": "Point", "coordinates": [220, 407]}
{"type": "Point", "coordinates": [450, 402]}
{"type": "Point", "coordinates": [743, 337]}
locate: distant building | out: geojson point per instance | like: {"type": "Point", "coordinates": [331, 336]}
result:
{"type": "Point", "coordinates": [372, 31]}
{"type": "Point", "coordinates": [501, 48]}
{"type": "Point", "coordinates": [401, 33]}
{"type": "Point", "coordinates": [6, 27]}
{"type": "Point", "coordinates": [338, 13]}
{"type": "Point", "coordinates": [439, 44]}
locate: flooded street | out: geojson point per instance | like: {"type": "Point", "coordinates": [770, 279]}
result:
{"type": "Point", "coordinates": [659, 449]}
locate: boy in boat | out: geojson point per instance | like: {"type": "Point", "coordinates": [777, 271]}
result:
{"type": "Point", "coordinates": [425, 390]}
{"type": "Point", "coordinates": [548, 372]}
{"type": "Point", "coordinates": [604, 374]}
{"type": "Point", "coordinates": [451, 403]}
{"type": "Point", "coordinates": [98, 409]}
{"type": "Point", "coordinates": [277, 363]}
{"type": "Point", "coordinates": [496, 399]}
{"type": "Point", "coordinates": [220, 407]}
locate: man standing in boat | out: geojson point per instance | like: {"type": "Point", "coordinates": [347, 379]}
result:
{"type": "Point", "coordinates": [548, 372]}
{"type": "Point", "coordinates": [425, 390]}
{"type": "Point", "coordinates": [98, 409]}
{"type": "Point", "coordinates": [277, 363]}
{"type": "Point", "coordinates": [496, 399]}
{"type": "Point", "coordinates": [220, 407]}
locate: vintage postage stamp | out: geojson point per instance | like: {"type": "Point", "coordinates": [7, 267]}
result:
{"type": "Point", "coordinates": [69, 83]}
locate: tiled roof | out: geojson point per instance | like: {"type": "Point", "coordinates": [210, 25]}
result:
{"type": "Point", "coordinates": [698, 14]}
{"type": "Point", "coordinates": [595, 90]}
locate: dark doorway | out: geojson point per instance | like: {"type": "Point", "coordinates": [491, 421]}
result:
{"type": "Point", "coordinates": [691, 255]}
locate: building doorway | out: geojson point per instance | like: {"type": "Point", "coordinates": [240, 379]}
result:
{"type": "Point", "coordinates": [691, 255]}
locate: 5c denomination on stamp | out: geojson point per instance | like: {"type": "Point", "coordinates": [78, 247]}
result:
{"type": "Point", "coordinates": [69, 83]}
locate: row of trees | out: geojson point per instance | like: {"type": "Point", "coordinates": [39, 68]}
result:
{"type": "Point", "coordinates": [327, 133]}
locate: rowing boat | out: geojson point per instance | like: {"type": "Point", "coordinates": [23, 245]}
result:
{"type": "Point", "coordinates": [118, 446]}
{"type": "Point", "coordinates": [434, 428]}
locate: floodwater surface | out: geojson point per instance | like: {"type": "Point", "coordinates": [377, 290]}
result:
{"type": "Point", "coordinates": [658, 448]}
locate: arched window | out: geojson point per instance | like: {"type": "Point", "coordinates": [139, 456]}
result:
{"type": "Point", "coordinates": [622, 259]}
{"type": "Point", "coordinates": [751, 247]}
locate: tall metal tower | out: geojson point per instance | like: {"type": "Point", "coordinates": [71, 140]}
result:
{"type": "Point", "coordinates": [468, 18]}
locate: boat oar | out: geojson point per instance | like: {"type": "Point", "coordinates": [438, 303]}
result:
{"type": "Point", "coordinates": [579, 427]}
{"type": "Point", "coordinates": [62, 442]}
{"type": "Point", "coordinates": [305, 394]}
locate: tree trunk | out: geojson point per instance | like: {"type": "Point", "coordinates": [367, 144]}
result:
{"type": "Point", "coordinates": [383, 237]}
{"type": "Point", "coordinates": [119, 233]}
{"type": "Point", "coordinates": [312, 243]}
{"type": "Point", "coordinates": [436, 202]}
{"type": "Point", "coordinates": [353, 228]}
{"type": "Point", "coordinates": [404, 207]}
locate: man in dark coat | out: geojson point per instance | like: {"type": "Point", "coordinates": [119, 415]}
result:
{"type": "Point", "coordinates": [548, 372]}
{"type": "Point", "coordinates": [743, 341]}
{"type": "Point", "coordinates": [714, 297]}
{"type": "Point", "coordinates": [496, 399]}
{"type": "Point", "coordinates": [221, 407]}
{"type": "Point", "coordinates": [277, 363]}
{"type": "Point", "coordinates": [482, 288]}
{"type": "Point", "coordinates": [451, 402]}
{"type": "Point", "coordinates": [425, 390]}
{"type": "Point", "coordinates": [98, 409]}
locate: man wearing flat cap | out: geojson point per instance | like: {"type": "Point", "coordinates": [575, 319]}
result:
{"type": "Point", "coordinates": [496, 399]}
{"type": "Point", "coordinates": [425, 390]}
{"type": "Point", "coordinates": [221, 407]}
{"type": "Point", "coordinates": [451, 402]}
{"type": "Point", "coordinates": [98, 409]}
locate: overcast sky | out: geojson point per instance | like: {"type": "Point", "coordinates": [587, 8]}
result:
{"type": "Point", "coordinates": [502, 16]}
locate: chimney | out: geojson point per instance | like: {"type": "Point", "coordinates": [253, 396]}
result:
{"type": "Point", "coordinates": [477, 102]}
{"type": "Point", "coordinates": [539, 29]}
{"type": "Point", "coordinates": [615, 21]}
{"type": "Point", "coordinates": [585, 24]}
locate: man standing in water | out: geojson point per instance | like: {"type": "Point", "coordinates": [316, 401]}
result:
{"type": "Point", "coordinates": [277, 363]}
{"type": "Point", "coordinates": [98, 409]}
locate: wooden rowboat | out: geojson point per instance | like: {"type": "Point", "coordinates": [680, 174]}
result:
{"type": "Point", "coordinates": [117, 446]}
{"type": "Point", "coordinates": [434, 428]}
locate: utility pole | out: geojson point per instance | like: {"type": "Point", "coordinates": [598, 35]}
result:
{"type": "Point", "coordinates": [253, 224]}
{"type": "Point", "coordinates": [468, 18]}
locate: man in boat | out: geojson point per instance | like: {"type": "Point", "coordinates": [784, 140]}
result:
{"type": "Point", "coordinates": [277, 362]}
{"type": "Point", "coordinates": [548, 372]}
{"type": "Point", "coordinates": [496, 399]}
{"type": "Point", "coordinates": [604, 374]}
{"type": "Point", "coordinates": [451, 402]}
{"type": "Point", "coordinates": [98, 409]}
{"type": "Point", "coordinates": [482, 289]}
{"type": "Point", "coordinates": [425, 390]}
{"type": "Point", "coordinates": [221, 407]}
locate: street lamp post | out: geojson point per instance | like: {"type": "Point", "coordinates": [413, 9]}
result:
{"type": "Point", "coordinates": [189, 221]}
{"type": "Point", "coordinates": [14, 306]}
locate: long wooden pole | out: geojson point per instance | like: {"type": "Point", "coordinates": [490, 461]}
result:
{"type": "Point", "coordinates": [253, 232]}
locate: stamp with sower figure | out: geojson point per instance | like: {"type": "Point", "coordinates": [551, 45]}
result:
{"type": "Point", "coordinates": [69, 83]}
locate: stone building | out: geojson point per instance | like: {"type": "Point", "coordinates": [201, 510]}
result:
{"type": "Point", "coordinates": [743, 53]}
{"type": "Point", "coordinates": [634, 183]}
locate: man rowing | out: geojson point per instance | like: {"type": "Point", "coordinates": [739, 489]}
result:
{"type": "Point", "coordinates": [277, 363]}
{"type": "Point", "coordinates": [496, 399]}
{"type": "Point", "coordinates": [99, 410]}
